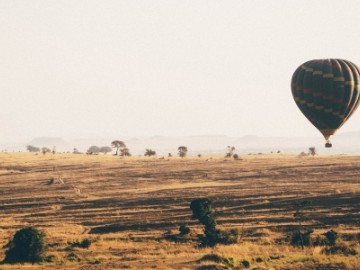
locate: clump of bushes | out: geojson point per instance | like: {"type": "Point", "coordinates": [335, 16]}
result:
{"type": "Point", "coordinates": [202, 210]}
{"type": "Point", "coordinates": [340, 248]}
{"type": "Point", "coordinates": [27, 245]}
{"type": "Point", "coordinates": [83, 244]}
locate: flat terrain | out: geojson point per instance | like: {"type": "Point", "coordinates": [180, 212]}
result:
{"type": "Point", "coordinates": [127, 207]}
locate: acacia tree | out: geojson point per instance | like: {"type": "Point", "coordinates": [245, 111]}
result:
{"type": "Point", "coordinates": [125, 152]}
{"type": "Point", "coordinates": [105, 149]}
{"type": "Point", "coordinates": [149, 153]}
{"type": "Point", "coordinates": [312, 151]}
{"type": "Point", "coordinates": [32, 148]}
{"type": "Point", "coordinates": [230, 151]}
{"type": "Point", "coordinates": [182, 151]}
{"type": "Point", "coordinates": [93, 150]}
{"type": "Point", "coordinates": [45, 150]}
{"type": "Point", "coordinates": [118, 145]}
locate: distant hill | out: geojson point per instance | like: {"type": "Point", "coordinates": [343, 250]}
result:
{"type": "Point", "coordinates": [46, 141]}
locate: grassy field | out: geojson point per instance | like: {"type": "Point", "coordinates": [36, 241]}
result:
{"type": "Point", "coordinates": [128, 207]}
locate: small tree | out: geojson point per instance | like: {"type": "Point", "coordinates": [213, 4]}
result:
{"type": "Point", "coordinates": [117, 144]}
{"type": "Point", "coordinates": [230, 151]}
{"type": "Point", "coordinates": [26, 246]}
{"type": "Point", "coordinates": [31, 148]}
{"type": "Point", "coordinates": [302, 235]}
{"type": "Point", "coordinates": [312, 151]}
{"type": "Point", "coordinates": [93, 150]}
{"type": "Point", "coordinates": [149, 153]}
{"type": "Point", "coordinates": [125, 152]}
{"type": "Point", "coordinates": [202, 210]}
{"type": "Point", "coordinates": [76, 151]}
{"type": "Point", "coordinates": [182, 151]}
{"type": "Point", "coordinates": [45, 150]}
{"type": "Point", "coordinates": [105, 149]}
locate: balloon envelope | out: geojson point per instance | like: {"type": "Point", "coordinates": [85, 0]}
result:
{"type": "Point", "coordinates": [327, 92]}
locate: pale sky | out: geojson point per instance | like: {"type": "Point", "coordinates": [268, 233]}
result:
{"type": "Point", "coordinates": [107, 68]}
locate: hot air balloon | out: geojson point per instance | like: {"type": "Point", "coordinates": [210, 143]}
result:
{"type": "Point", "coordinates": [327, 92]}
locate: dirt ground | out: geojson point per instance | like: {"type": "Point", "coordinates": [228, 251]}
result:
{"type": "Point", "coordinates": [127, 206]}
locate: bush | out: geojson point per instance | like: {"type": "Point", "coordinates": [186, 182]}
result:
{"type": "Point", "coordinates": [184, 230]}
{"type": "Point", "coordinates": [302, 238]}
{"type": "Point", "coordinates": [83, 244]}
{"type": "Point", "coordinates": [332, 237]}
{"type": "Point", "coordinates": [245, 263]}
{"type": "Point", "coordinates": [340, 248]}
{"type": "Point", "coordinates": [26, 246]}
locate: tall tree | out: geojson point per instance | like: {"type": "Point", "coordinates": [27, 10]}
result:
{"type": "Point", "coordinates": [118, 145]}
{"type": "Point", "coordinates": [312, 151]}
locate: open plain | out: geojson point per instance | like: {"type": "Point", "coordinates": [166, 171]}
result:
{"type": "Point", "coordinates": [128, 208]}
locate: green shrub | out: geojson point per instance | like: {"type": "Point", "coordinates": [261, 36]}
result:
{"type": "Point", "coordinates": [184, 230]}
{"type": "Point", "coordinates": [245, 263]}
{"type": "Point", "coordinates": [302, 238]}
{"type": "Point", "coordinates": [27, 245]}
{"type": "Point", "coordinates": [332, 236]}
{"type": "Point", "coordinates": [83, 244]}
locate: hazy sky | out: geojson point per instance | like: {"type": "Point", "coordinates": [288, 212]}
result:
{"type": "Point", "coordinates": [85, 69]}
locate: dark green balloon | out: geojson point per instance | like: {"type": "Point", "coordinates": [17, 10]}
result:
{"type": "Point", "coordinates": [327, 92]}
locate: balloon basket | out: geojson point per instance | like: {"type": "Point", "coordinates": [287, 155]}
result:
{"type": "Point", "coordinates": [328, 145]}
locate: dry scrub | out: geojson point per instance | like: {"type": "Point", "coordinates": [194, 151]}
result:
{"type": "Point", "coordinates": [127, 207]}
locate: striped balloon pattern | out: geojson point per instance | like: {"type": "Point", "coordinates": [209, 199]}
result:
{"type": "Point", "coordinates": [327, 92]}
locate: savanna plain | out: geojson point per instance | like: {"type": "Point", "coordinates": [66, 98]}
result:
{"type": "Point", "coordinates": [131, 208]}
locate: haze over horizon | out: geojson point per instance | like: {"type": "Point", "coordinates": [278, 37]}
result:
{"type": "Point", "coordinates": [95, 69]}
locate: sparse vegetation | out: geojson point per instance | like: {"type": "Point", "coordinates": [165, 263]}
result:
{"type": "Point", "coordinates": [143, 231]}
{"type": "Point", "coordinates": [303, 235]}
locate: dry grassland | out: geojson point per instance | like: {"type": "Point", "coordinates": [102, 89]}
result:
{"type": "Point", "coordinates": [128, 206]}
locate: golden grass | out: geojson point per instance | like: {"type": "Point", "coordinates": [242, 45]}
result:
{"type": "Point", "coordinates": [125, 206]}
